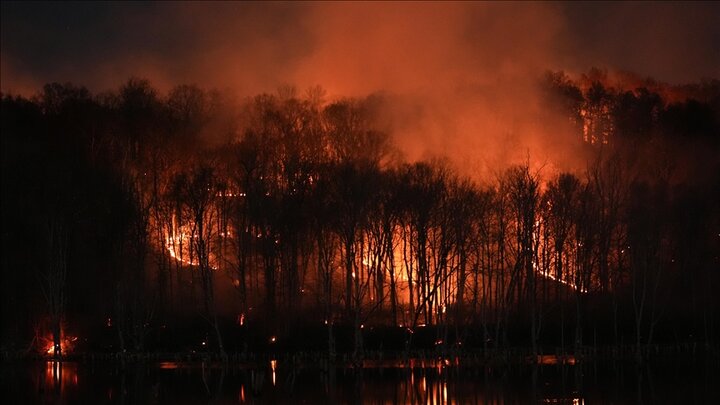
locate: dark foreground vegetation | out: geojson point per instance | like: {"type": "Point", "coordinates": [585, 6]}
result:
{"type": "Point", "coordinates": [191, 225]}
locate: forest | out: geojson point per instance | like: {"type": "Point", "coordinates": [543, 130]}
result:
{"type": "Point", "coordinates": [135, 221]}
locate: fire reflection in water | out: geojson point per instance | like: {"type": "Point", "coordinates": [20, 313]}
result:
{"type": "Point", "coordinates": [426, 391]}
{"type": "Point", "coordinates": [436, 386]}
{"type": "Point", "coordinates": [573, 401]}
{"type": "Point", "coordinates": [59, 376]}
{"type": "Point", "coordinates": [273, 366]}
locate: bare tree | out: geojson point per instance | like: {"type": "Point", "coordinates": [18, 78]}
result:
{"type": "Point", "coordinates": [200, 193]}
{"type": "Point", "coordinates": [561, 198]}
{"type": "Point", "coordinates": [134, 309]}
{"type": "Point", "coordinates": [54, 278]}
{"type": "Point", "coordinates": [524, 197]}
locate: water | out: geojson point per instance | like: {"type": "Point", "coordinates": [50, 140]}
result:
{"type": "Point", "coordinates": [278, 383]}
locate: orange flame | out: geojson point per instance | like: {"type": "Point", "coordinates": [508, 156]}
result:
{"type": "Point", "coordinates": [66, 345]}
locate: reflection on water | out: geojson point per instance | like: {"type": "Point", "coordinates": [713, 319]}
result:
{"type": "Point", "coordinates": [279, 381]}
{"type": "Point", "coordinates": [553, 359]}
{"type": "Point", "coordinates": [273, 366]}
{"type": "Point", "coordinates": [59, 375]}
{"type": "Point", "coordinates": [429, 392]}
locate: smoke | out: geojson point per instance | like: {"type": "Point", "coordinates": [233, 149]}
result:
{"type": "Point", "coordinates": [456, 79]}
{"type": "Point", "coordinates": [676, 42]}
{"type": "Point", "coordinates": [461, 80]}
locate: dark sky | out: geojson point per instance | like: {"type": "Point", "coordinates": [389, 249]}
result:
{"type": "Point", "coordinates": [348, 48]}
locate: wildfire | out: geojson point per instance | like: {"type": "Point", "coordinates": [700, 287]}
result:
{"type": "Point", "coordinates": [66, 344]}
{"type": "Point", "coordinates": [51, 349]}
{"type": "Point", "coordinates": [179, 245]}
{"type": "Point", "coordinates": [567, 283]}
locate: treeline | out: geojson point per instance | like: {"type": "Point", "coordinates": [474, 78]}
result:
{"type": "Point", "coordinates": [130, 211]}
{"type": "Point", "coordinates": [624, 108]}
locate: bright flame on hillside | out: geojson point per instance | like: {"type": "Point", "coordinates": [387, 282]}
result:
{"type": "Point", "coordinates": [179, 245]}
{"type": "Point", "coordinates": [572, 285]}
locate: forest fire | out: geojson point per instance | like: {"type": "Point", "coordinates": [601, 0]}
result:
{"type": "Point", "coordinates": [51, 348]}
{"type": "Point", "coordinates": [65, 346]}
{"type": "Point", "coordinates": [548, 274]}
{"type": "Point", "coordinates": [250, 197]}
{"type": "Point", "coordinates": [180, 244]}
{"type": "Point", "coordinates": [405, 244]}
{"type": "Point", "coordinates": [174, 246]}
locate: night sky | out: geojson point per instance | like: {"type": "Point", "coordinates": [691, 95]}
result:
{"type": "Point", "coordinates": [348, 48]}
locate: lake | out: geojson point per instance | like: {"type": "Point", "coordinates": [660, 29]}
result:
{"type": "Point", "coordinates": [277, 382]}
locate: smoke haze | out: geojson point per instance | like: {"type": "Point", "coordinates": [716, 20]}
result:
{"type": "Point", "coordinates": [456, 79]}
